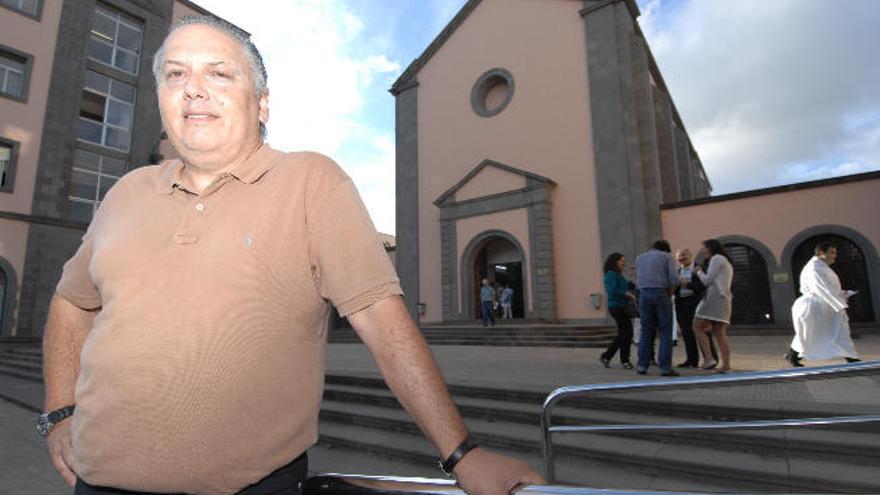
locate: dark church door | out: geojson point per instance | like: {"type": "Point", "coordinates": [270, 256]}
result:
{"type": "Point", "coordinates": [850, 267]}
{"type": "Point", "coordinates": [751, 288]}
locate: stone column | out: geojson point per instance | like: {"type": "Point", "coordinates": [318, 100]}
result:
{"type": "Point", "coordinates": [666, 146]}
{"type": "Point", "coordinates": [407, 193]}
{"type": "Point", "coordinates": [683, 159]}
{"type": "Point", "coordinates": [647, 138]}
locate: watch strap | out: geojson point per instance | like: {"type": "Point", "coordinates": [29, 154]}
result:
{"type": "Point", "coordinates": [448, 464]}
{"type": "Point", "coordinates": [48, 420]}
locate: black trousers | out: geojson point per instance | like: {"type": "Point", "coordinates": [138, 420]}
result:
{"type": "Point", "coordinates": [286, 480]}
{"type": "Point", "coordinates": [685, 307]}
{"type": "Point", "coordinates": [624, 338]}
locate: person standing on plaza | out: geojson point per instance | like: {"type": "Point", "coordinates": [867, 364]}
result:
{"type": "Point", "coordinates": [656, 281]}
{"type": "Point", "coordinates": [620, 295]}
{"type": "Point", "coordinates": [688, 293]}
{"type": "Point", "coordinates": [487, 304]}
{"type": "Point", "coordinates": [507, 302]}
{"type": "Point", "coordinates": [713, 313]}
{"type": "Point", "coordinates": [184, 347]}
{"type": "Point", "coordinates": [821, 325]}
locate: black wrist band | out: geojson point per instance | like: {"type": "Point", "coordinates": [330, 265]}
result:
{"type": "Point", "coordinates": [449, 464]}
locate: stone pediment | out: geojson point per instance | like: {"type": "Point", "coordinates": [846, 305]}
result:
{"type": "Point", "coordinates": [490, 178]}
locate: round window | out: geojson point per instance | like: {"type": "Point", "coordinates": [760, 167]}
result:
{"type": "Point", "coordinates": [492, 92]}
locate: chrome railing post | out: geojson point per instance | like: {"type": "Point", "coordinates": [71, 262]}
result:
{"type": "Point", "coordinates": [547, 445]}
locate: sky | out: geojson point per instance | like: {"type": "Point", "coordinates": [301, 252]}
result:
{"type": "Point", "coordinates": [771, 92]}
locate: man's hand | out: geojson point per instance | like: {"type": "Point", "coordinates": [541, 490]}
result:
{"type": "Point", "coordinates": [61, 451]}
{"type": "Point", "coordinates": [482, 472]}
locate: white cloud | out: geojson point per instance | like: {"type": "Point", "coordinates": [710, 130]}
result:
{"type": "Point", "coordinates": [806, 172]}
{"type": "Point", "coordinates": [322, 60]}
{"type": "Point", "coordinates": [371, 166]}
{"type": "Point", "coordinates": [772, 92]}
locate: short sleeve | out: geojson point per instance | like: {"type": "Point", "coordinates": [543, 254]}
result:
{"type": "Point", "coordinates": [350, 266]}
{"type": "Point", "coordinates": [76, 284]}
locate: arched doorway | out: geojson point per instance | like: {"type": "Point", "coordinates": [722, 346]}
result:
{"type": "Point", "coordinates": [850, 266]}
{"type": "Point", "coordinates": [2, 300]}
{"type": "Point", "coordinates": [8, 292]}
{"type": "Point", "coordinates": [499, 259]}
{"type": "Point", "coordinates": [752, 304]}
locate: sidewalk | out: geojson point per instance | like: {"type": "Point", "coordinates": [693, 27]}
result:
{"type": "Point", "coordinates": [545, 368]}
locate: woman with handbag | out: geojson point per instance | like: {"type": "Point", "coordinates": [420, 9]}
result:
{"type": "Point", "coordinates": [621, 307]}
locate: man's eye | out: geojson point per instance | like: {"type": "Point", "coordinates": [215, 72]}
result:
{"type": "Point", "coordinates": [174, 74]}
{"type": "Point", "coordinates": [221, 75]}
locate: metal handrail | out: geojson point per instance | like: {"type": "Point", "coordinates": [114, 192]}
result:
{"type": "Point", "coordinates": [724, 380]}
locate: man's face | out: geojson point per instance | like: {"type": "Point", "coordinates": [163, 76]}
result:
{"type": "Point", "coordinates": [209, 108]}
{"type": "Point", "coordinates": [683, 257]}
{"type": "Point", "coordinates": [829, 256]}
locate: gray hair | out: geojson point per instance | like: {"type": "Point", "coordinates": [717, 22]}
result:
{"type": "Point", "coordinates": [258, 69]}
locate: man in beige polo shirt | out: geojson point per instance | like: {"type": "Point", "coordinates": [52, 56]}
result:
{"type": "Point", "coordinates": [188, 331]}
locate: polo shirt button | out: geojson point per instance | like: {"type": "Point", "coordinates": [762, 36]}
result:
{"type": "Point", "coordinates": [200, 207]}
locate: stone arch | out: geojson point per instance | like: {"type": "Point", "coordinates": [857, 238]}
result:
{"type": "Point", "coordinates": [778, 306]}
{"type": "Point", "coordinates": [869, 252]}
{"type": "Point", "coordinates": [467, 275]}
{"type": "Point", "coordinates": [8, 293]}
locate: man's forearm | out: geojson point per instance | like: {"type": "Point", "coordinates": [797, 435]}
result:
{"type": "Point", "coordinates": [411, 372]}
{"type": "Point", "coordinates": [66, 330]}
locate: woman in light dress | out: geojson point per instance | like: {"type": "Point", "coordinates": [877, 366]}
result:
{"type": "Point", "coordinates": [713, 312]}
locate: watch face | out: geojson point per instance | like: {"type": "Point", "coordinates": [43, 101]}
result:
{"type": "Point", "coordinates": [43, 425]}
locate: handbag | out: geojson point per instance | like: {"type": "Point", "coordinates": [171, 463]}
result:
{"type": "Point", "coordinates": [630, 310]}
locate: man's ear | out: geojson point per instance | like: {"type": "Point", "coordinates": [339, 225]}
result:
{"type": "Point", "coordinates": [264, 107]}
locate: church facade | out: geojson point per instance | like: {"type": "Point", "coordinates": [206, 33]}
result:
{"type": "Point", "coordinates": [536, 137]}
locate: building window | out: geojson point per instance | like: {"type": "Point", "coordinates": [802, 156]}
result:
{"type": "Point", "coordinates": [90, 179]}
{"type": "Point", "coordinates": [14, 72]}
{"type": "Point", "coordinates": [8, 157]}
{"type": "Point", "coordinates": [492, 92]}
{"type": "Point", "coordinates": [106, 111]}
{"type": "Point", "coordinates": [116, 39]}
{"type": "Point", "coordinates": [27, 7]}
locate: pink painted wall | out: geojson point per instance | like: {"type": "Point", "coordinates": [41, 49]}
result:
{"type": "Point", "coordinates": [545, 129]}
{"type": "Point", "coordinates": [23, 122]}
{"type": "Point", "coordinates": [775, 219]}
{"type": "Point", "coordinates": [490, 181]}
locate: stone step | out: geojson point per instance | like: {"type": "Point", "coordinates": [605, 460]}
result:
{"type": "Point", "coordinates": [506, 335]}
{"type": "Point", "coordinates": [694, 407]}
{"type": "Point", "coordinates": [500, 331]}
{"type": "Point", "coordinates": [496, 343]}
{"type": "Point", "coordinates": [777, 472]}
{"type": "Point", "coordinates": [856, 447]}
{"type": "Point", "coordinates": [16, 371]}
{"type": "Point", "coordinates": [21, 359]}
{"type": "Point", "coordinates": [416, 451]}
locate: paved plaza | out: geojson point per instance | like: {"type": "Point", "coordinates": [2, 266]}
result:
{"type": "Point", "coordinates": [25, 468]}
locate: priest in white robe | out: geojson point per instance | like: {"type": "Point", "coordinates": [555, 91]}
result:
{"type": "Point", "coordinates": [821, 324]}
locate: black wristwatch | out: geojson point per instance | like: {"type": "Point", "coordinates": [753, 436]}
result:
{"type": "Point", "coordinates": [48, 420]}
{"type": "Point", "coordinates": [450, 462]}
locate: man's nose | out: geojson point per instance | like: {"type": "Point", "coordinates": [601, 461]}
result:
{"type": "Point", "coordinates": [195, 87]}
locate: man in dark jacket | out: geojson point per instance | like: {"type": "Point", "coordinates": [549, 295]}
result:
{"type": "Point", "coordinates": [687, 295]}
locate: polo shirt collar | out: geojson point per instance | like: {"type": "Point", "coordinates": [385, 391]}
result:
{"type": "Point", "coordinates": [248, 171]}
